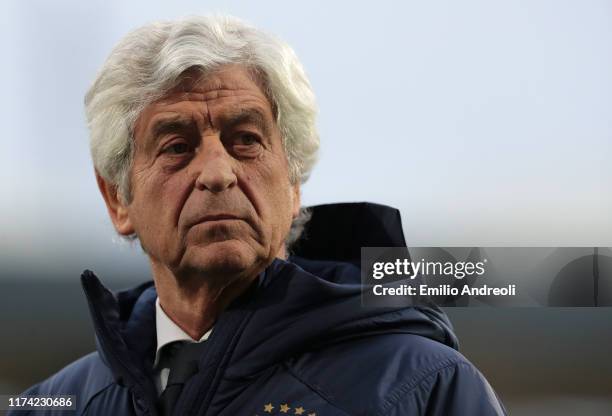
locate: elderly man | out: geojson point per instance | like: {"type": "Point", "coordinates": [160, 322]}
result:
{"type": "Point", "coordinates": [202, 131]}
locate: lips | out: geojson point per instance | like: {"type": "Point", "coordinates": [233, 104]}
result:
{"type": "Point", "coordinates": [217, 217]}
{"type": "Point", "coordinates": [213, 217]}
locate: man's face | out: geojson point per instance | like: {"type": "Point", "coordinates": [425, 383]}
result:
{"type": "Point", "coordinates": [210, 184]}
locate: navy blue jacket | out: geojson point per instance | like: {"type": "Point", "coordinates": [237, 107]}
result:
{"type": "Point", "coordinates": [296, 342]}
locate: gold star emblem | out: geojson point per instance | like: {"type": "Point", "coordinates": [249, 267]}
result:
{"type": "Point", "coordinates": [284, 408]}
{"type": "Point", "coordinates": [268, 408]}
{"type": "Point", "coordinates": [299, 410]}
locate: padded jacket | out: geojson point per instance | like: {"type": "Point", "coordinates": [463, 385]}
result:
{"type": "Point", "coordinates": [297, 342]}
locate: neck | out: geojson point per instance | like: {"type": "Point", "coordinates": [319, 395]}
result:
{"type": "Point", "coordinates": [195, 305]}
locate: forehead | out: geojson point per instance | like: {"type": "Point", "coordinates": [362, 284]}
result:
{"type": "Point", "coordinates": [229, 88]}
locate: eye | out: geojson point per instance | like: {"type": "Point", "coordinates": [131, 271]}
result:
{"type": "Point", "coordinates": [246, 144]}
{"type": "Point", "coordinates": [177, 148]}
{"type": "Point", "coordinates": [247, 139]}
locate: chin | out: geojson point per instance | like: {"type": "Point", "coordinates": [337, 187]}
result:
{"type": "Point", "coordinates": [222, 259]}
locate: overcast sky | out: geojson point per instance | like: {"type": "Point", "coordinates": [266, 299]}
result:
{"type": "Point", "coordinates": [484, 122]}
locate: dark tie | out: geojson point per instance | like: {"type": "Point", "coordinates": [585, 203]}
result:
{"type": "Point", "coordinates": [183, 360]}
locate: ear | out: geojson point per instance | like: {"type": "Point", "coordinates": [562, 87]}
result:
{"type": "Point", "coordinates": [115, 205]}
{"type": "Point", "coordinates": [296, 200]}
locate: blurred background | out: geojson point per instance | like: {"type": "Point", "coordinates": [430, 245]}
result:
{"type": "Point", "coordinates": [487, 123]}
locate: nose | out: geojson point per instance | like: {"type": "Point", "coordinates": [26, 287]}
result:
{"type": "Point", "coordinates": [216, 166]}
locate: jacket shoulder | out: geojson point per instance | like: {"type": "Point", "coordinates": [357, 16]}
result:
{"type": "Point", "coordinates": [397, 374]}
{"type": "Point", "coordinates": [83, 378]}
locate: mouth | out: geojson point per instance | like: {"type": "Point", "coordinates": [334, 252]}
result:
{"type": "Point", "coordinates": [217, 217]}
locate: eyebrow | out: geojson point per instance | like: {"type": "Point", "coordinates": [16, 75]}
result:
{"type": "Point", "coordinates": [247, 116]}
{"type": "Point", "coordinates": [178, 122]}
{"type": "Point", "coordinates": [173, 124]}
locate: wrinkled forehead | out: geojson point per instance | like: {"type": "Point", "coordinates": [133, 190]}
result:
{"type": "Point", "coordinates": [228, 87]}
{"type": "Point", "coordinates": [224, 80]}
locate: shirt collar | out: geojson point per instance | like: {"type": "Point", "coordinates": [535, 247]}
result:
{"type": "Point", "coordinates": [168, 331]}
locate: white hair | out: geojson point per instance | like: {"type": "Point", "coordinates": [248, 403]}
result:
{"type": "Point", "coordinates": [150, 61]}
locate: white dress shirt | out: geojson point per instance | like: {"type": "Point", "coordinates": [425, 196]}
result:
{"type": "Point", "coordinates": [167, 332]}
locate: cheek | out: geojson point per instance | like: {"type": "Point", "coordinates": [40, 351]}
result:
{"type": "Point", "coordinates": [274, 195]}
{"type": "Point", "coordinates": [157, 201]}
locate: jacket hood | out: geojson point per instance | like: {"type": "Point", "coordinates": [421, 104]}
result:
{"type": "Point", "coordinates": [292, 307]}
